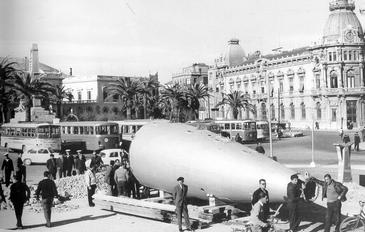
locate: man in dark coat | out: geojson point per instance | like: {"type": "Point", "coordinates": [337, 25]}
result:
{"type": "Point", "coordinates": [96, 160]}
{"type": "Point", "coordinates": [7, 168]}
{"type": "Point", "coordinates": [19, 194]}
{"type": "Point", "coordinates": [48, 190]}
{"type": "Point", "coordinates": [179, 195]}
{"type": "Point", "coordinates": [356, 141]}
{"type": "Point", "coordinates": [68, 164]}
{"type": "Point", "coordinates": [80, 165]}
{"type": "Point", "coordinates": [109, 178]}
{"type": "Point", "coordinates": [293, 198]}
{"type": "Point", "coordinates": [59, 163]}
{"type": "Point", "coordinates": [21, 169]}
{"type": "Point", "coordinates": [335, 192]}
{"type": "Point", "coordinates": [256, 198]}
{"type": "Point", "coordinates": [52, 166]}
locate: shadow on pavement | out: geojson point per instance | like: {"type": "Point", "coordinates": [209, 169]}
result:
{"type": "Point", "coordinates": [68, 221]}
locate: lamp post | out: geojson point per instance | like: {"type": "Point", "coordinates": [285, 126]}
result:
{"type": "Point", "coordinates": [263, 71]}
{"type": "Point", "coordinates": [312, 164]}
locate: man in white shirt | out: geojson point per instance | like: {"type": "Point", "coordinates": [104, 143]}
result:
{"type": "Point", "coordinates": [90, 180]}
{"type": "Point", "coordinates": [257, 214]}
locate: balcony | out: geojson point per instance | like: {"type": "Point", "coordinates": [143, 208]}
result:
{"type": "Point", "coordinates": [338, 91]}
{"type": "Point", "coordinates": [79, 102]}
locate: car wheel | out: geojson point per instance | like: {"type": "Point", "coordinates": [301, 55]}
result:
{"type": "Point", "coordinates": [27, 162]}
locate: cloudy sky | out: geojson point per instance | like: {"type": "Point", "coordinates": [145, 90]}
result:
{"type": "Point", "coordinates": [138, 37]}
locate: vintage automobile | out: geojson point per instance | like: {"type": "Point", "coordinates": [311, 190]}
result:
{"type": "Point", "coordinates": [38, 155]}
{"type": "Point", "coordinates": [110, 154]}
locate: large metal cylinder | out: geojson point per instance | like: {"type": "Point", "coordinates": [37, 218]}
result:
{"type": "Point", "coordinates": [162, 151]}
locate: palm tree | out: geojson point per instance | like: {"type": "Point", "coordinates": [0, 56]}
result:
{"type": "Point", "coordinates": [148, 89]}
{"type": "Point", "coordinates": [236, 100]}
{"type": "Point", "coordinates": [28, 86]}
{"type": "Point", "coordinates": [7, 72]}
{"type": "Point", "coordinates": [174, 94]}
{"type": "Point", "coordinates": [195, 93]}
{"type": "Point", "coordinates": [60, 93]}
{"type": "Point", "coordinates": [127, 90]}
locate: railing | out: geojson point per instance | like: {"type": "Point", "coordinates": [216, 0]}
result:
{"type": "Point", "coordinates": [338, 91]}
{"type": "Point", "coordinates": [79, 102]}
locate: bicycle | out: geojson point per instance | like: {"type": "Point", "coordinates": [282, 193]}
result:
{"type": "Point", "coordinates": [356, 222]}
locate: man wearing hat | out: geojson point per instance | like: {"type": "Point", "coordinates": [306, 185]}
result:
{"type": "Point", "coordinates": [52, 166]}
{"type": "Point", "coordinates": [80, 162]}
{"type": "Point", "coordinates": [7, 168]}
{"type": "Point", "coordinates": [68, 163]}
{"type": "Point", "coordinates": [179, 195]}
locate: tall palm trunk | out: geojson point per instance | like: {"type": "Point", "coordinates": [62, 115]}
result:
{"type": "Point", "coordinates": [144, 106]}
{"type": "Point", "coordinates": [58, 109]}
{"type": "Point", "coordinates": [3, 120]}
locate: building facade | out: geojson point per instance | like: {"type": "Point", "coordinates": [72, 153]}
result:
{"type": "Point", "coordinates": [323, 83]}
{"type": "Point", "coordinates": [196, 73]}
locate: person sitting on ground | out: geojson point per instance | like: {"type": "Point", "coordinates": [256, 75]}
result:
{"type": "Point", "coordinates": [260, 148]}
{"type": "Point", "coordinates": [257, 214]}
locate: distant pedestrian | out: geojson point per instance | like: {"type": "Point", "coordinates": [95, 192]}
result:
{"type": "Point", "coordinates": [59, 163]}
{"type": "Point", "coordinates": [317, 125]}
{"type": "Point", "coordinates": [121, 179]}
{"type": "Point", "coordinates": [346, 138]}
{"type": "Point", "coordinates": [68, 163]}
{"type": "Point", "coordinates": [293, 198]}
{"type": "Point", "coordinates": [19, 194]}
{"type": "Point", "coordinates": [341, 134]}
{"type": "Point", "coordinates": [52, 166]}
{"type": "Point", "coordinates": [356, 141]}
{"type": "Point", "coordinates": [90, 179]}
{"type": "Point", "coordinates": [179, 196]}
{"type": "Point", "coordinates": [48, 190]}
{"type": "Point", "coordinates": [256, 198]}
{"type": "Point", "coordinates": [335, 192]}
{"type": "Point", "coordinates": [96, 160]}
{"type": "Point", "coordinates": [80, 161]}
{"type": "Point", "coordinates": [21, 169]}
{"type": "Point", "coordinates": [7, 168]}
{"type": "Point", "coordinates": [260, 148]}
{"type": "Point", "coordinates": [109, 178]}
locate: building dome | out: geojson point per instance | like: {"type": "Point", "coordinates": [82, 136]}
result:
{"type": "Point", "coordinates": [235, 55]}
{"type": "Point", "coordinates": [341, 19]}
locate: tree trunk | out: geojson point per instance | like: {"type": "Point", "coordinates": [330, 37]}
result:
{"type": "Point", "coordinates": [144, 106]}
{"type": "Point", "coordinates": [59, 110]}
{"type": "Point", "coordinates": [2, 114]}
{"type": "Point", "coordinates": [129, 112]}
{"type": "Point", "coordinates": [27, 114]}
{"type": "Point", "coordinates": [235, 114]}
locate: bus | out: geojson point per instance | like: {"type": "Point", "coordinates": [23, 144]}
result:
{"type": "Point", "coordinates": [128, 128]}
{"type": "Point", "coordinates": [96, 135]}
{"type": "Point", "coordinates": [262, 128]}
{"type": "Point", "coordinates": [245, 128]}
{"type": "Point", "coordinates": [24, 135]}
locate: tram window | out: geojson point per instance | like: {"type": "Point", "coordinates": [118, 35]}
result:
{"type": "Point", "coordinates": [252, 125]}
{"type": "Point", "coordinates": [86, 130]}
{"type": "Point", "coordinates": [63, 130]}
{"type": "Point", "coordinates": [102, 130]}
{"type": "Point", "coordinates": [17, 131]}
{"type": "Point", "coordinates": [226, 126]}
{"type": "Point", "coordinates": [81, 130]}
{"type": "Point", "coordinates": [91, 130]}
{"type": "Point", "coordinates": [126, 129]}
{"type": "Point", "coordinates": [233, 126]}
{"type": "Point", "coordinates": [114, 130]}
{"type": "Point", "coordinates": [76, 130]}
{"type": "Point", "coordinates": [68, 130]}
{"type": "Point", "coordinates": [245, 126]}
{"type": "Point", "coordinates": [138, 127]}
{"type": "Point", "coordinates": [133, 129]}
{"type": "Point", "coordinates": [238, 126]}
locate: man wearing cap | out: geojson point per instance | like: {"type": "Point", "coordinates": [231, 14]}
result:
{"type": "Point", "coordinates": [179, 195]}
{"type": "Point", "coordinates": [52, 166]}
{"type": "Point", "coordinates": [68, 163]}
{"type": "Point", "coordinates": [7, 168]}
{"type": "Point", "coordinates": [19, 194]}
{"type": "Point", "coordinates": [80, 162]}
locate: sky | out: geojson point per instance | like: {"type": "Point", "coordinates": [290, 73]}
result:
{"type": "Point", "coordinates": [141, 37]}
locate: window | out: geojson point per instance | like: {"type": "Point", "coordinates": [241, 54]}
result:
{"type": "Point", "coordinates": [319, 111]}
{"type": "Point", "coordinates": [350, 79]}
{"type": "Point", "coordinates": [226, 126]}
{"type": "Point", "coordinates": [233, 126]}
{"type": "Point", "coordinates": [281, 86]}
{"type": "Point", "coordinates": [292, 111]}
{"type": "Point", "coordinates": [272, 108]}
{"type": "Point", "coordinates": [79, 95]}
{"type": "Point", "coordinates": [263, 111]}
{"type": "Point", "coordinates": [188, 81]}
{"type": "Point", "coordinates": [350, 55]}
{"type": "Point", "coordinates": [330, 56]}
{"type": "Point", "coordinates": [318, 80]}
{"type": "Point", "coordinates": [334, 115]}
{"type": "Point", "coordinates": [262, 89]}
{"type": "Point", "coordinates": [333, 77]}
{"type": "Point", "coordinates": [238, 85]}
{"type": "Point", "coordinates": [301, 84]}
{"type": "Point", "coordinates": [345, 55]}
{"type": "Point", "coordinates": [302, 107]}
{"type": "Point", "coordinates": [238, 126]}
{"type": "Point", "coordinates": [105, 94]}
{"type": "Point", "coordinates": [76, 130]}
{"type": "Point", "coordinates": [88, 95]}
{"type": "Point", "coordinates": [291, 84]}
{"type": "Point", "coordinates": [282, 111]}
{"type": "Point", "coordinates": [334, 56]}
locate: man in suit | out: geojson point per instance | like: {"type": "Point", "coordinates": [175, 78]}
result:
{"type": "Point", "coordinates": [293, 197]}
{"type": "Point", "coordinates": [8, 168]}
{"type": "Point", "coordinates": [52, 166]}
{"type": "Point", "coordinates": [68, 163]}
{"type": "Point", "coordinates": [48, 190]}
{"type": "Point", "coordinates": [21, 169]}
{"type": "Point", "coordinates": [256, 198]}
{"type": "Point", "coordinates": [179, 195]}
{"type": "Point", "coordinates": [19, 194]}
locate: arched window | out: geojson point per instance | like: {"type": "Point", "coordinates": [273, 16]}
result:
{"type": "Point", "coordinates": [263, 111]}
{"type": "Point", "coordinates": [319, 111]}
{"type": "Point", "coordinates": [292, 111]}
{"type": "Point", "coordinates": [105, 94]}
{"type": "Point", "coordinates": [272, 108]}
{"type": "Point", "coordinates": [282, 111]}
{"type": "Point", "coordinates": [350, 79]}
{"type": "Point", "coordinates": [254, 111]}
{"type": "Point", "coordinates": [333, 79]}
{"type": "Point", "coordinates": [302, 108]}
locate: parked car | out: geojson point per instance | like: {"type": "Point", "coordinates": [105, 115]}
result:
{"type": "Point", "coordinates": [110, 154]}
{"type": "Point", "coordinates": [38, 155]}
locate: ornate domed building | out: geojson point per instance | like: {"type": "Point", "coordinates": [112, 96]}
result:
{"type": "Point", "coordinates": [322, 83]}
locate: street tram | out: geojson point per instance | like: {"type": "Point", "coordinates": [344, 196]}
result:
{"type": "Point", "coordinates": [245, 128]}
{"type": "Point", "coordinates": [96, 134]}
{"type": "Point", "coordinates": [262, 128]}
{"type": "Point", "coordinates": [24, 135]}
{"type": "Point", "coordinates": [128, 128]}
